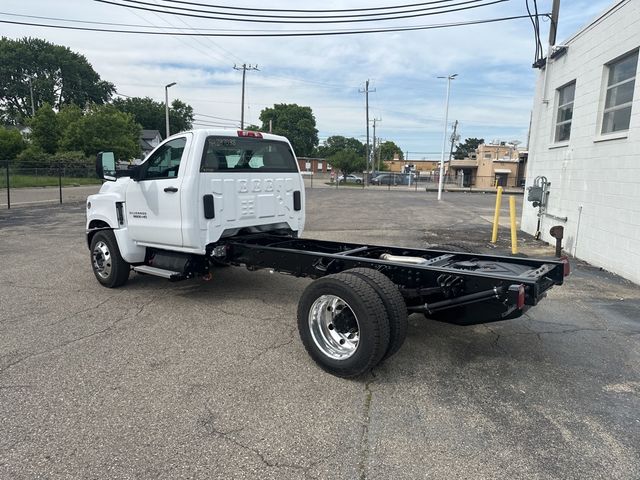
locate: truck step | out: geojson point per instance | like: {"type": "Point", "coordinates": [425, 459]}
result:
{"type": "Point", "coordinates": [158, 272]}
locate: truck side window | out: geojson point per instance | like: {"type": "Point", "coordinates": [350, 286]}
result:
{"type": "Point", "coordinates": [165, 162]}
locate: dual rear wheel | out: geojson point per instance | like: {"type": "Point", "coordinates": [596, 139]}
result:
{"type": "Point", "coordinates": [351, 321]}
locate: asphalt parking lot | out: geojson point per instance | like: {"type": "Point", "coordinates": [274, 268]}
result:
{"type": "Point", "coordinates": [209, 380]}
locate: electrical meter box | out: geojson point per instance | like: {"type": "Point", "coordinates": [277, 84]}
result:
{"type": "Point", "coordinates": [535, 194]}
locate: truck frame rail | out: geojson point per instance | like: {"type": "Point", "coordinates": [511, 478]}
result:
{"type": "Point", "coordinates": [456, 287]}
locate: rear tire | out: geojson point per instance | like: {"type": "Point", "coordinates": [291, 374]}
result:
{"type": "Point", "coordinates": [108, 265]}
{"type": "Point", "coordinates": [394, 305]}
{"type": "Point", "coordinates": [343, 324]}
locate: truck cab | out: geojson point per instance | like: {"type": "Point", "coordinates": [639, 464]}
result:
{"type": "Point", "coordinates": [196, 188]}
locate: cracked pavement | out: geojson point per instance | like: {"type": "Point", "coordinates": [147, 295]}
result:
{"type": "Point", "coordinates": [208, 380]}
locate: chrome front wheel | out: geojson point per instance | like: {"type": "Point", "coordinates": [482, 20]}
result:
{"type": "Point", "coordinates": [101, 257]}
{"type": "Point", "coordinates": [110, 269]}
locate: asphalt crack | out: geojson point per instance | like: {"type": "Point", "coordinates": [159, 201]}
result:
{"type": "Point", "coordinates": [77, 339]}
{"type": "Point", "coordinates": [208, 423]}
{"type": "Point", "coordinates": [364, 435]}
{"type": "Point", "coordinates": [275, 346]}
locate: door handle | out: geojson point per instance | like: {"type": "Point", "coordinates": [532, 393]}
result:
{"type": "Point", "coordinates": [171, 189]}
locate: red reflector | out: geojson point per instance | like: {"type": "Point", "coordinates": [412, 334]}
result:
{"type": "Point", "coordinates": [567, 266]}
{"type": "Point", "coordinates": [520, 297]}
{"type": "Point", "coordinates": [247, 133]}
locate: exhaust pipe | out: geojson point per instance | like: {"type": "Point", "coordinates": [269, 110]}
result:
{"type": "Point", "coordinates": [403, 259]}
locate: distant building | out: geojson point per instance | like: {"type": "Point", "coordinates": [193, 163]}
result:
{"type": "Point", "coordinates": [585, 139]}
{"type": "Point", "coordinates": [424, 167]}
{"type": "Point", "coordinates": [491, 165]}
{"type": "Point", "coordinates": [149, 139]}
{"type": "Point", "coordinates": [313, 165]}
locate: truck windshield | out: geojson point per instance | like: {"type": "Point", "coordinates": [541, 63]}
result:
{"type": "Point", "coordinates": [236, 154]}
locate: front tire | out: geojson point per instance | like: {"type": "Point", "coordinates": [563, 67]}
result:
{"type": "Point", "coordinates": [343, 325]}
{"type": "Point", "coordinates": [108, 265]}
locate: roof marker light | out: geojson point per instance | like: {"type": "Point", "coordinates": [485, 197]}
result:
{"type": "Point", "coordinates": [248, 133]}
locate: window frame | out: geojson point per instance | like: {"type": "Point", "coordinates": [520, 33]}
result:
{"type": "Point", "coordinates": [608, 87]}
{"type": "Point", "coordinates": [559, 106]}
{"type": "Point", "coordinates": [144, 167]}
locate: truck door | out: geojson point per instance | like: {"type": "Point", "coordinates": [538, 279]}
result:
{"type": "Point", "coordinates": [153, 202]}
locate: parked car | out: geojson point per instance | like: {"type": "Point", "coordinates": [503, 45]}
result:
{"type": "Point", "coordinates": [386, 179]}
{"type": "Point", "coordinates": [350, 179]}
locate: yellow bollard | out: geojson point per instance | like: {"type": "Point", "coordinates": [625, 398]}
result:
{"type": "Point", "coordinates": [514, 232]}
{"type": "Point", "coordinates": [496, 216]}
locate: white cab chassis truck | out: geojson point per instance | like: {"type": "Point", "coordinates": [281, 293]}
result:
{"type": "Point", "coordinates": [209, 198]}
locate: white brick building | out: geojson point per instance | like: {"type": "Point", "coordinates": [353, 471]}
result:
{"type": "Point", "coordinates": [585, 138]}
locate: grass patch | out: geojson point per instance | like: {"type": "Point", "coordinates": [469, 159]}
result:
{"type": "Point", "coordinates": [345, 185]}
{"type": "Point", "coordinates": [24, 181]}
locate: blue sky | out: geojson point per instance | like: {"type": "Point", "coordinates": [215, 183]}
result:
{"type": "Point", "coordinates": [491, 98]}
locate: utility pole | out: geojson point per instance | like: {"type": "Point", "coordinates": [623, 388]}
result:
{"type": "Point", "coordinates": [244, 67]}
{"type": "Point", "coordinates": [444, 138]}
{"type": "Point", "coordinates": [33, 107]}
{"type": "Point", "coordinates": [366, 92]}
{"type": "Point", "coordinates": [375, 120]}
{"type": "Point", "coordinates": [454, 138]}
{"type": "Point", "coordinates": [553, 29]}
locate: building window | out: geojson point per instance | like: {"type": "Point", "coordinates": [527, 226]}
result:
{"type": "Point", "coordinates": [487, 155]}
{"type": "Point", "coordinates": [566, 95]}
{"type": "Point", "coordinates": [619, 94]}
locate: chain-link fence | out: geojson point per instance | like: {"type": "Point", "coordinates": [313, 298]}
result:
{"type": "Point", "coordinates": [29, 185]}
{"type": "Point", "coordinates": [417, 182]}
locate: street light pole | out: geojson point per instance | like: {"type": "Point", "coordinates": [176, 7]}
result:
{"type": "Point", "coordinates": [166, 105]}
{"type": "Point", "coordinates": [444, 137]}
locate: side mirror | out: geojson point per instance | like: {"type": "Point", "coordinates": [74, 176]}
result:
{"type": "Point", "coordinates": [106, 166]}
{"type": "Point", "coordinates": [135, 173]}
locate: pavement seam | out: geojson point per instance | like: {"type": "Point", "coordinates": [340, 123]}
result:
{"type": "Point", "coordinates": [366, 422]}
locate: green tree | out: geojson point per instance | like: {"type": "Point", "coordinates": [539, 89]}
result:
{"type": "Point", "coordinates": [44, 129]}
{"type": "Point", "coordinates": [347, 161]}
{"type": "Point", "coordinates": [152, 115]}
{"type": "Point", "coordinates": [57, 75]}
{"type": "Point", "coordinates": [294, 122]}
{"type": "Point", "coordinates": [67, 115]}
{"type": "Point", "coordinates": [465, 149]}
{"type": "Point", "coordinates": [102, 128]}
{"type": "Point", "coordinates": [336, 143]}
{"type": "Point", "coordinates": [388, 150]}
{"type": "Point", "coordinates": [180, 116]}
{"type": "Point", "coordinates": [11, 144]}
{"type": "Point", "coordinates": [33, 157]}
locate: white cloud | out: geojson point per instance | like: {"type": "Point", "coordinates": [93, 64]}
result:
{"type": "Point", "coordinates": [491, 98]}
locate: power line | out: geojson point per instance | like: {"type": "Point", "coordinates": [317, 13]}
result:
{"type": "Point", "coordinates": [181, 40]}
{"type": "Point", "coordinates": [217, 118]}
{"type": "Point", "coordinates": [231, 54]}
{"type": "Point", "coordinates": [177, 11]}
{"type": "Point", "coordinates": [308, 11]}
{"type": "Point", "coordinates": [277, 33]}
{"type": "Point", "coordinates": [254, 20]}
